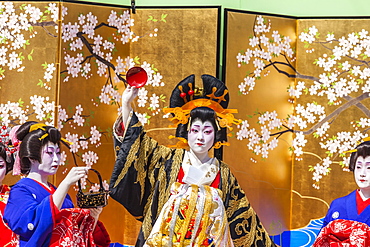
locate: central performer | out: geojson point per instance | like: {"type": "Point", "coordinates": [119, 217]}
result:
{"type": "Point", "coordinates": [182, 196]}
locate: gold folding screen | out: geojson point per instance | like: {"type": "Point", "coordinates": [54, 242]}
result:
{"type": "Point", "coordinates": [330, 51]}
{"type": "Point", "coordinates": [302, 88]}
{"type": "Point", "coordinates": [266, 181]}
{"type": "Point", "coordinates": [26, 44]}
{"type": "Point", "coordinates": [90, 62]}
{"type": "Point", "coordinates": [304, 103]}
{"type": "Point", "coordinates": [183, 45]}
{"type": "Point", "coordinates": [71, 60]}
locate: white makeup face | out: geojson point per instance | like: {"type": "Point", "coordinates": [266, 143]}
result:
{"type": "Point", "coordinates": [201, 136]}
{"type": "Point", "coordinates": [362, 172]}
{"type": "Point", "coordinates": [2, 169]}
{"type": "Point", "coordinates": [50, 160]}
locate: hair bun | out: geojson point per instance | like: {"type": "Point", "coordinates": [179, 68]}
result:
{"type": "Point", "coordinates": [24, 129]}
{"type": "Point", "coordinates": [211, 86]}
{"type": "Point", "coordinates": [54, 134]}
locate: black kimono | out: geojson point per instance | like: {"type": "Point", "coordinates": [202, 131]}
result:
{"type": "Point", "coordinates": [144, 172]}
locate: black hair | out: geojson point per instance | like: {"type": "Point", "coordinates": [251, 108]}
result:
{"type": "Point", "coordinates": [203, 114]}
{"type": "Point", "coordinates": [363, 150]}
{"type": "Point", "coordinates": [33, 142]}
{"type": "Point", "coordinates": [7, 156]}
{"type": "Point", "coordinates": [209, 84]}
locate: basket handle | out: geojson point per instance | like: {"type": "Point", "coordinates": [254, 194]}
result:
{"type": "Point", "coordinates": [100, 181]}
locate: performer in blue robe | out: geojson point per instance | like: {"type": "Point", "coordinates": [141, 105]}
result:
{"type": "Point", "coordinates": [31, 212]}
{"type": "Point", "coordinates": [348, 218]}
{"type": "Point", "coordinates": [345, 208]}
{"type": "Point", "coordinates": [41, 214]}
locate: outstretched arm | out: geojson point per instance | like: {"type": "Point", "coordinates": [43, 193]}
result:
{"type": "Point", "coordinates": [128, 96]}
{"type": "Point", "coordinates": [72, 177]}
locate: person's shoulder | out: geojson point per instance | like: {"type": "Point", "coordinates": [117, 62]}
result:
{"type": "Point", "coordinates": [341, 200]}
{"type": "Point", "coordinates": [223, 164]}
{"type": "Point", "coordinates": [24, 183]}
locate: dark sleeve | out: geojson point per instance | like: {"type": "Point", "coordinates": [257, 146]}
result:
{"type": "Point", "coordinates": [240, 213]}
{"type": "Point", "coordinates": [137, 159]}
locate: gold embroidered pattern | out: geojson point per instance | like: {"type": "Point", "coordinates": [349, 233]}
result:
{"type": "Point", "coordinates": [147, 145]}
{"type": "Point", "coordinates": [250, 230]}
{"type": "Point", "coordinates": [161, 153]}
{"type": "Point", "coordinates": [205, 218]}
{"type": "Point", "coordinates": [149, 160]}
{"type": "Point", "coordinates": [193, 216]}
{"type": "Point", "coordinates": [189, 212]}
{"type": "Point", "coordinates": [130, 158]}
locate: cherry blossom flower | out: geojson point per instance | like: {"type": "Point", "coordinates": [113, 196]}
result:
{"type": "Point", "coordinates": [142, 118]}
{"type": "Point", "coordinates": [154, 101]}
{"type": "Point", "coordinates": [73, 138]}
{"type": "Point", "coordinates": [90, 158]}
{"type": "Point", "coordinates": [63, 158]}
{"type": "Point", "coordinates": [95, 135]}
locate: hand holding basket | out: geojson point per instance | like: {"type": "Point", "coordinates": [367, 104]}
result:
{"type": "Point", "coordinates": [92, 199]}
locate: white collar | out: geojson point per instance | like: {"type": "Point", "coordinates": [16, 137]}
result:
{"type": "Point", "coordinates": [199, 173]}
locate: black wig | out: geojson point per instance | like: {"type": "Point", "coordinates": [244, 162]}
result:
{"type": "Point", "coordinates": [7, 156]}
{"type": "Point", "coordinates": [32, 143]}
{"type": "Point", "coordinates": [363, 150]}
{"type": "Point", "coordinates": [211, 86]}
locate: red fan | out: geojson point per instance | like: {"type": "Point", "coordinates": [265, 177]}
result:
{"type": "Point", "coordinates": [136, 77]}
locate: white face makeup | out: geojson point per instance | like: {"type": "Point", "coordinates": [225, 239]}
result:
{"type": "Point", "coordinates": [362, 172]}
{"type": "Point", "coordinates": [2, 169]}
{"type": "Point", "coordinates": [50, 160]}
{"type": "Point", "coordinates": [201, 136]}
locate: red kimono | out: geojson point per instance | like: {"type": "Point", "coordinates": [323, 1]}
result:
{"type": "Point", "coordinates": [7, 237]}
{"type": "Point", "coordinates": [344, 226]}
{"type": "Point", "coordinates": [32, 214]}
{"type": "Point", "coordinates": [344, 233]}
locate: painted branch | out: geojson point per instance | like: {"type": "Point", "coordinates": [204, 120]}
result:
{"type": "Point", "coordinates": [336, 112]}
{"type": "Point", "coordinates": [297, 75]}
{"type": "Point", "coordinates": [102, 24]}
{"type": "Point", "coordinates": [43, 23]}
{"type": "Point", "coordinates": [363, 108]}
{"type": "Point", "coordinates": [99, 58]}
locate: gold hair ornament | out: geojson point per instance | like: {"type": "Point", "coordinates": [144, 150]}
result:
{"type": "Point", "coordinates": [198, 91]}
{"type": "Point", "coordinates": [189, 123]}
{"type": "Point", "coordinates": [182, 114]}
{"type": "Point", "coordinates": [218, 144]}
{"type": "Point", "coordinates": [65, 141]}
{"type": "Point", "coordinates": [37, 126]}
{"type": "Point", "coordinates": [42, 127]}
{"type": "Point", "coordinates": [355, 150]}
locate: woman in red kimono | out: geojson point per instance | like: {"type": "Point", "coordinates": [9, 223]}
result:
{"type": "Point", "coordinates": [40, 213]}
{"type": "Point", "coordinates": [7, 237]}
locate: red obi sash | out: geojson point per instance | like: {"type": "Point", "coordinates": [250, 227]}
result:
{"type": "Point", "coordinates": [344, 233]}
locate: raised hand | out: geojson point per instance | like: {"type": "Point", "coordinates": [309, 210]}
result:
{"type": "Point", "coordinates": [72, 177]}
{"type": "Point", "coordinates": [129, 95]}
{"type": "Point", "coordinates": [75, 174]}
